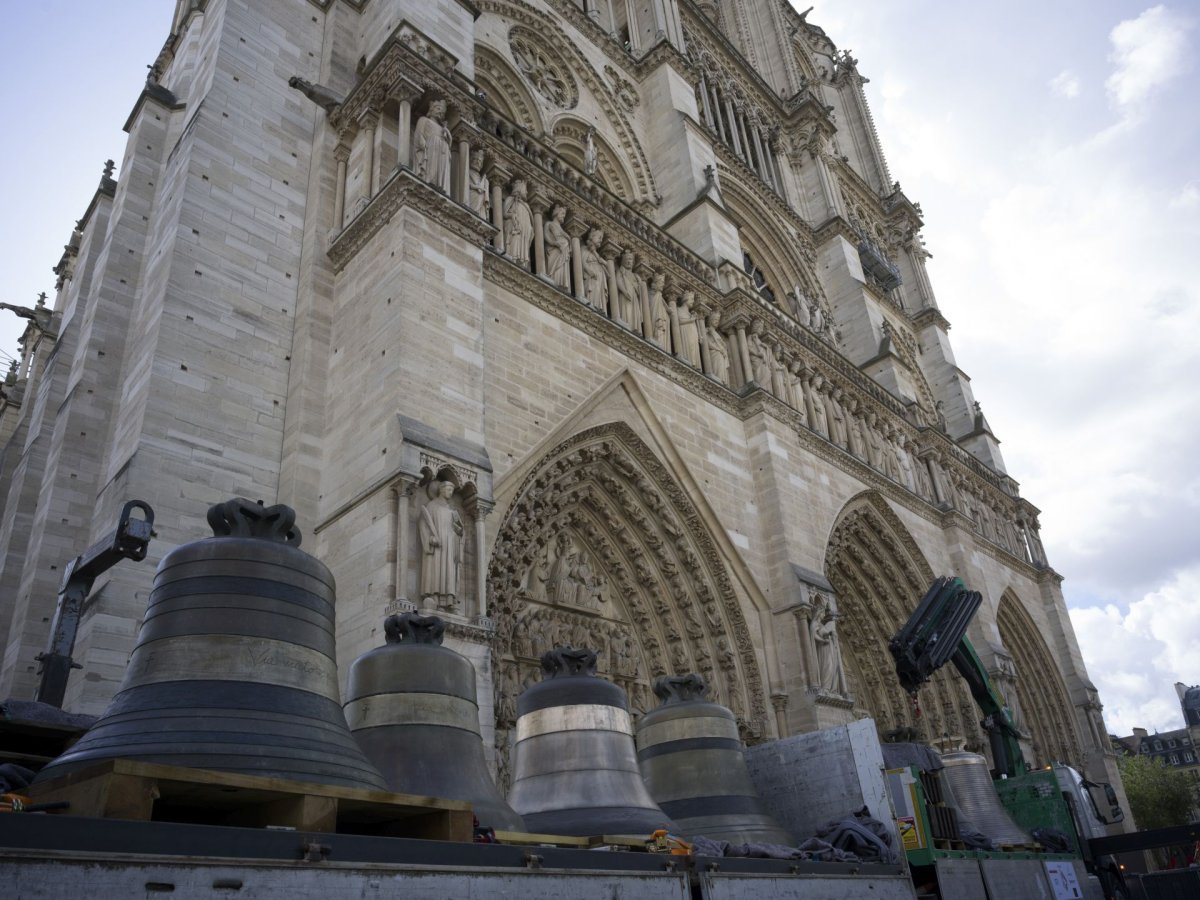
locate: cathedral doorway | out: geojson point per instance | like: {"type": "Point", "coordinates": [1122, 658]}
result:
{"type": "Point", "coordinates": [602, 548]}
{"type": "Point", "coordinates": [878, 575]}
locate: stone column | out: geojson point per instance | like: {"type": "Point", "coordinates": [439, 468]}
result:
{"type": "Point", "coordinates": [758, 149]}
{"type": "Point", "coordinates": [403, 491]}
{"type": "Point", "coordinates": [772, 176]}
{"type": "Point", "coordinates": [702, 326]}
{"type": "Point", "coordinates": [369, 122]}
{"type": "Point", "coordinates": [718, 120]}
{"type": "Point", "coordinates": [462, 190]}
{"type": "Point", "coordinates": [809, 646]}
{"type": "Point", "coordinates": [671, 299]}
{"type": "Point", "coordinates": [539, 204]}
{"type": "Point", "coordinates": [610, 251]}
{"type": "Point", "coordinates": [342, 154]}
{"type": "Point", "coordinates": [404, 133]}
{"type": "Point", "coordinates": [498, 178]}
{"type": "Point", "coordinates": [577, 228]}
{"type": "Point", "coordinates": [747, 150]}
{"type": "Point", "coordinates": [643, 273]}
{"type": "Point", "coordinates": [779, 702]}
{"type": "Point", "coordinates": [479, 510]}
{"type": "Point", "coordinates": [806, 394]}
{"type": "Point", "coordinates": [731, 115]}
{"type": "Point", "coordinates": [635, 42]}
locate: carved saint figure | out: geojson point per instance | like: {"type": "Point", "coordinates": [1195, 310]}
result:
{"type": "Point", "coordinates": [660, 330]}
{"type": "Point", "coordinates": [836, 415]}
{"type": "Point", "coordinates": [778, 372]}
{"type": "Point", "coordinates": [718, 350]}
{"type": "Point", "coordinates": [441, 531]}
{"type": "Point", "coordinates": [590, 159]}
{"type": "Point", "coordinates": [829, 655]}
{"type": "Point", "coordinates": [479, 188]}
{"type": "Point", "coordinates": [560, 586]}
{"type": "Point", "coordinates": [518, 224]}
{"type": "Point", "coordinates": [629, 299]}
{"type": "Point", "coordinates": [819, 425]}
{"type": "Point", "coordinates": [431, 147]}
{"type": "Point", "coordinates": [595, 272]}
{"type": "Point", "coordinates": [689, 330]}
{"type": "Point", "coordinates": [760, 357]}
{"type": "Point", "coordinates": [558, 248]}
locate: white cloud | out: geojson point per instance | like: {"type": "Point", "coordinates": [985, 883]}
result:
{"type": "Point", "coordinates": [1135, 658]}
{"type": "Point", "coordinates": [1148, 52]}
{"type": "Point", "coordinates": [1065, 84]}
{"type": "Point", "coordinates": [1188, 198]}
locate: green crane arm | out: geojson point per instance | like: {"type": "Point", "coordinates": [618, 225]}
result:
{"type": "Point", "coordinates": [935, 634]}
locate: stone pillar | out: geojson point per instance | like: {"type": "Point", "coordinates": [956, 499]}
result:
{"type": "Point", "coordinates": [734, 141]}
{"type": "Point", "coordinates": [671, 299]}
{"type": "Point", "coordinates": [462, 189]}
{"type": "Point", "coordinates": [747, 150]}
{"type": "Point", "coordinates": [369, 123]}
{"type": "Point", "coordinates": [498, 177]}
{"type": "Point", "coordinates": [758, 149]}
{"type": "Point", "coordinates": [702, 326]}
{"type": "Point", "coordinates": [779, 702]}
{"type": "Point", "coordinates": [403, 491]}
{"type": "Point", "coordinates": [479, 510]}
{"type": "Point", "coordinates": [718, 120]}
{"type": "Point", "coordinates": [807, 644]}
{"type": "Point", "coordinates": [704, 102]}
{"type": "Point", "coordinates": [772, 175]}
{"type": "Point", "coordinates": [404, 133]}
{"type": "Point", "coordinates": [635, 43]}
{"type": "Point", "coordinates": [342, 154]}
{"type": "Point", "coordinates": [577, 228]}
{"type": "Point", "coordinates": [539, 203]}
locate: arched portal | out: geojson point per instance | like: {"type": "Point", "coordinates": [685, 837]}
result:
{"type": "Point", "coordinates": [878, 575]}
{"type": "Point", "coordinates": [601, 547]}
{"type": "Point", "coordinates": [1044, 702]}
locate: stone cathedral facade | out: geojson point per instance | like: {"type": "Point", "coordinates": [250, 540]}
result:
{"type": "Point", "coordinates": [590, 322]}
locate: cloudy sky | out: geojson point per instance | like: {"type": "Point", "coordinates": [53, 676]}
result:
{"type": "Point", "coordinates": [1053, 147]}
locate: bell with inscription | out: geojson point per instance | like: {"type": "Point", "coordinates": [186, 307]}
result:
{"type": "Point", "coordinates": [693, 764]}
{"type": "Point", "coordinates": [575, 770]}
{"type": "Point", "coordinates": [412, 708]}
{"type": "Point", "coordinates": [234, 667]}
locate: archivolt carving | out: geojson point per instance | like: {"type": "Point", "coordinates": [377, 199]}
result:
{"type": "Point", "coordinates": [1044, 701]}
{"type": "Point", "coordinates": [550, 33]}
{"type": "Point", "coordinates": [505, 90]}
{"type": "Point", "coordinates": [661, 600]}
{"type": "Point", "coordinates": [879, 574]}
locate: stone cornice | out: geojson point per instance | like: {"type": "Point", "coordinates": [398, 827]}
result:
{"type": "Point", "coordinates": [929, 317]}
{"type": "Point", "coordinates": [404, 189]}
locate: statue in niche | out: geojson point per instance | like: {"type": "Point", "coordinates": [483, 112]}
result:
{"type": "Point", "coordinates": [778, 372]}
{"type": "Point", "coordinates": [595, 272]}
{"type": "Point", "coordinates": [479, 188]}
{"type": "Point", "coordinates": [760, 357]}
{"type": "Point", "coordinates": [829, 655]}
{"type": "Point", "coordinates": [518, 223]}
{"type": "Point", "coordinates": [590, 159]}
{"type": "Point", "coordinates": [874, 443]}
{"type": "Point", "coordinates": [689, 330]}
{"type": "Point", "coordinates": [589, 587]}
{"type": "Point", "coordinates": [718, 350]}
{"type": "Point", "coordinates": [629, 299]}
{"type": "Point", "coordinates": [558, 248]}
{"type": "Point", "coordinates": [431, 147]}
{"type": "Point", "coordinates": [836, 415]}
{"type": "Point", "coordinates": [661, 324]}
{"type": "Point", "coordinates": [441, 530]}
{"type": "Point", "coordinates": [536, 578]}
{"type": "Point", "coordinates": [819, 425]}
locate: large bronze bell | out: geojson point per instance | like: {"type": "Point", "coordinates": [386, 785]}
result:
{"type": "Point", "coordinates": [968, 780]}
{"type": "Point", "coordinates": [575, 770]}
{"type": "Point", "coordinates": [412, 708]}
{"type": "Point", "coordinates": [693, 764]}
{"type": "Point", "coordinates": [234, 667]}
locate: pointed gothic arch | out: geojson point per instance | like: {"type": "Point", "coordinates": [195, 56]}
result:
{"type": "Point", "coordinates": [603, 502]}
{"type": "Point", "coordinates": [1041, 692]}
{"type": "Point", "coordinates": [570, 137]}
{"type": "Point", "coordinates": [506, 90]}
{"type": "Point", "coordinates": [878, 575]}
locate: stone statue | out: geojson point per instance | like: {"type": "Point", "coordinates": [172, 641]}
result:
{"type": "Point", "coordinates": [590, 159]}
{"type": "Point", "coordinates": [718, 350]}
{"type": "Point", "coordinates": [760, 357]}
{"type": "Point", "coordinates": [819, 425]}
{"type": "Point", "coordinates": [779, 386]}
{"type": "Point", "coordinates": [595, 272]}
{"type": "Point", "coordinates": [479, 188]}
{"type": "Point", "coordinates": [441, 531]}
{"type": "Point", "coordinates": [431, 147]}
{"type": "Point", "coordinates": [689, 330]}
{"type": "Point", "coordinates": [589, 587]}
{"type": "Point", "coordinates": [319, 94]}
{"type": "Point", "coordinates": [829, 657]}
{"type": "Point", "coordinates": [629, 299]}
{"type": "Point", "coordinates": [558, 248]}
{"type": "Point", "coordinates": [560, 586]}
{"type": "Point", "coordinates": [836, 416]}
{"type": "Point", "coordinates": [518, 224]}
{"type": "Point", "coordinates": [661, 324]}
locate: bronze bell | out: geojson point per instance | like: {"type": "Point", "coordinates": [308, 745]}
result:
{"type": "Point", "coordinates": [412, 708]}
{"type": "Point", "coordinates": [575, 771]}
{"type": "Point", "coordinates": [693, 764]}
{"type": "Point", "coordinates": [234, 667]}
{"type": "Point", "coordinates": [967, 779]}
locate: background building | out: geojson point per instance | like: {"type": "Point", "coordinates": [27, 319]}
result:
{"type": "Point", "coordinates": [634, 281]}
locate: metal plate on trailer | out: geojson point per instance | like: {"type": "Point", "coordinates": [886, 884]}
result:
{"type": "Point", "coordinates": [960, 879]}
{"type": "Point", "coordinates": [191, 879]}
{"type": "Point", "coordinates": [1015, 879]}
{"type": "Point", "coordinates": [717, 886]}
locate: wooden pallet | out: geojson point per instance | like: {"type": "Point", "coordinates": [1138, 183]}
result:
{"type": "Point", "coordinates": [524, 839]}
{"type": "Point", "coordinates": [124, 789]}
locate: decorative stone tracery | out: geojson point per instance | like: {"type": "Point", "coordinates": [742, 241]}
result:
{"type": "Point", "coordinates": [602, 548]}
